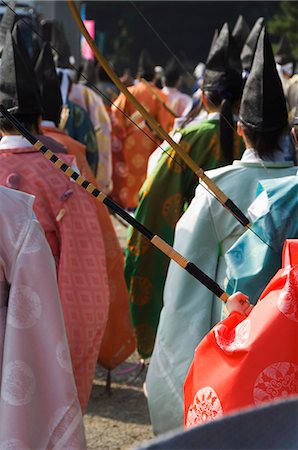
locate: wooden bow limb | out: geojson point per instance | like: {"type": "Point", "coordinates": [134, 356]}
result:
{"type": "Point", "coordinates": [163, 246]}
{"type": "Point", "coordinates": [221, 197]}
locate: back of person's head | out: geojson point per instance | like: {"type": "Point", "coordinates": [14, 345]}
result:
{"type": "Point", "coordinates": [223, 85]}
{"type": "Point", "coordinates": [263, 110]}
{"type": "Point", "coordinates": [146, 66]}
{"type": "Point", "coordinates": [172, 73]}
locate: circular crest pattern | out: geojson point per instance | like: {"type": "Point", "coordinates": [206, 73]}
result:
{"type": "Point", "coordinates": [24, 307]}
{"type": "Point", "coordinates": [18, 383]}
{"type": "Point", "coordinates": [232, 340]}
{"type": "Point", "coordinates": [205, 406]}
{"type": "Point", "coordinates": [278, 380]}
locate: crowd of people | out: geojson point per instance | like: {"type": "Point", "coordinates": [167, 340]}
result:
{"type": "Point", "coordinates": [69, 297]}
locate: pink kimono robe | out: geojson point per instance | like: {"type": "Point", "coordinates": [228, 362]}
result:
{"type": "Point", "coordinates": [68, 217]}
{"type": "Point", "coordinates": [39, 407]}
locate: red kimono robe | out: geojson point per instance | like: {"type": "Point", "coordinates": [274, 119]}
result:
{"type": "Point", "coordinates": [249, 361]}
{"type": "Point", "coordinates": [68, 217]}
{"type": "Point", "coordinates": [118, 342]}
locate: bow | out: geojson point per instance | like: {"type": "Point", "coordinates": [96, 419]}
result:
{"type": "Point", "coordinates": [219, 194]}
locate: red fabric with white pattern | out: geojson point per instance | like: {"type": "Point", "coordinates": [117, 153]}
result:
{"type": "Point", "coordinates": [249, 361]}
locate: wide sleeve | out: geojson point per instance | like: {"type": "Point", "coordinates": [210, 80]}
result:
{"type": "Point", "coordinates": [102, 127]}
{"type": "Point", "coordinates": [186, 316]}
{"type": "Point", "coordinates": [39, 407]}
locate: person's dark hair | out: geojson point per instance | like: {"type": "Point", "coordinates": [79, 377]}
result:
{"type": "Point", "coordinates": [226, 122]}
{"type": "Point", "coordinates": [102, 75]}
{"type": "Point", "coordinates": [265, 143]}
{"type": "Point", "coordinates": [28, 121]}
{"type": "Point", "coordinates": [172, 79]}
{"type": "Point", "coordinates": [148, 75]}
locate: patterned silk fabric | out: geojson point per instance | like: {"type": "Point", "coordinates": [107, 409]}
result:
{"type": "Point", "coordinates": [39, 406]}
{"type": "Point", "coordinates": [249, 361]}
{"type": "Point", "coordinates": [68, 217]}
{"type": "Point", "coordinates": [118, 341]}
{"type": "Point", "coordinates": [162, 201]}
{"type": "Point", "coordinates": [131, 147]}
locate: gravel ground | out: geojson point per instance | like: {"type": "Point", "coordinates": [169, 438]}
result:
{"type": "Point", "coordinates": [120, 420]}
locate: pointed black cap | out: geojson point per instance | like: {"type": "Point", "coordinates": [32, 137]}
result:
{"type": "Point", "coordinates": [263, 105]}
{"type": "Point", "coordinates": [249, 48]}
{"type": "Point", "coordinates": [61, 46]}
{"type": "Point", "coordinates": [223, 66]}
{"type": "Point", "coordinates": [214, 39]}
{"type": "Point", "coordinates": [46, 29]}
{"type": "Point", "coordinates": [283, 54]}
{"type": "Point", "coordinates": [240, 32]}
{"type": "Point", "coordinates": [49, 84]}
{"type": "Point", "coordinates": [18, 86]}
{"type": "Point", "coordinates": [172, 71]}
{"type": "Point", "coordinates": [7, 22]}
{"type": "Point", "coordinates": [146, 65]}
{"type": "Point", "coordinates": [26, 40]}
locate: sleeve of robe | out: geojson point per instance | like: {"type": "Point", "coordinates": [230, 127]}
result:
{"type": "Point", "coordinates": [39, 406]}
{"type": "Point", "coordinates": [184, 298]}
{"type": "Point", "coordinates": [102, 127]}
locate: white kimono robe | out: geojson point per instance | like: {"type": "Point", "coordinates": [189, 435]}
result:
{"type": "Point", "coordinates": [203, 235]}
{"type": "Point", "coordinates": [39, 407]}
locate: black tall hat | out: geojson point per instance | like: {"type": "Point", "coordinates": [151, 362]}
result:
{"type": "Point", "coordinates": [283, 54]}
{"type": "Point", "coordinates": [26, 40]}
{"type": "Point", "coordinates": [223, 66]}
{"type": "Point", "coordinates": [263, 105]}
{"type": "Point", "coordinates": [49, 84]}
{"type": "Point", "coordinates": [249, 48]}
{"type": "Point", "coordinates": [172, 71]}
{"type": "Point", "coordinates": [46, 29]}
{"type": "Point", "coordinates": [7, 22]}
{"type": "Point", "coordinates": [61, 46]}
{"type": "Point", "coordinates": [240, 32]}
{"type": "Point", "coordinates": [18, 86]}
{"type": "Point", "coordinates": [146, 64]}
{"type": "Point", "coordinates": [214, 39]}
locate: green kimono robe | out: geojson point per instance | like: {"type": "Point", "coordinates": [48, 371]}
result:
{"type": "Point", "coordinates": [163, 198]}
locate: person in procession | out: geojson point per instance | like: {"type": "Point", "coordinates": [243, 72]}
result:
{"type": "Point", "coordinates": [205, 233]}
{"type": "Point", "coordinates": [131, 147]}
{"type": "Point", "coordinates": [169, 189]}
{"type": "Point", "coordinates": [118, 341]}
{"type": "Point", "coordinates": [37, 383]}
{"type": "Point", "coordinates": [67, 215]}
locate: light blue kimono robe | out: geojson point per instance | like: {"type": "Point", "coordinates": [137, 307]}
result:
{"type": "Point", "coordinates": [250, 263]}
{"type": "Point", "coordinates": [203, 235]}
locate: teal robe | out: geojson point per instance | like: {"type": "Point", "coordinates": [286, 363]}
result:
{"type": "Point", "coordinates": [251, 263]}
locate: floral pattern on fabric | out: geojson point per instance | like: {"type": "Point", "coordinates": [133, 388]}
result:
{"type": "Point", "coordinates": [230, 340]}
{"type": "Point", "coordinates": [278, 380]}
{"type": "Point", "coordinates": [206, 406]}
{"type": "Point", "coordinates": [287, 300]}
